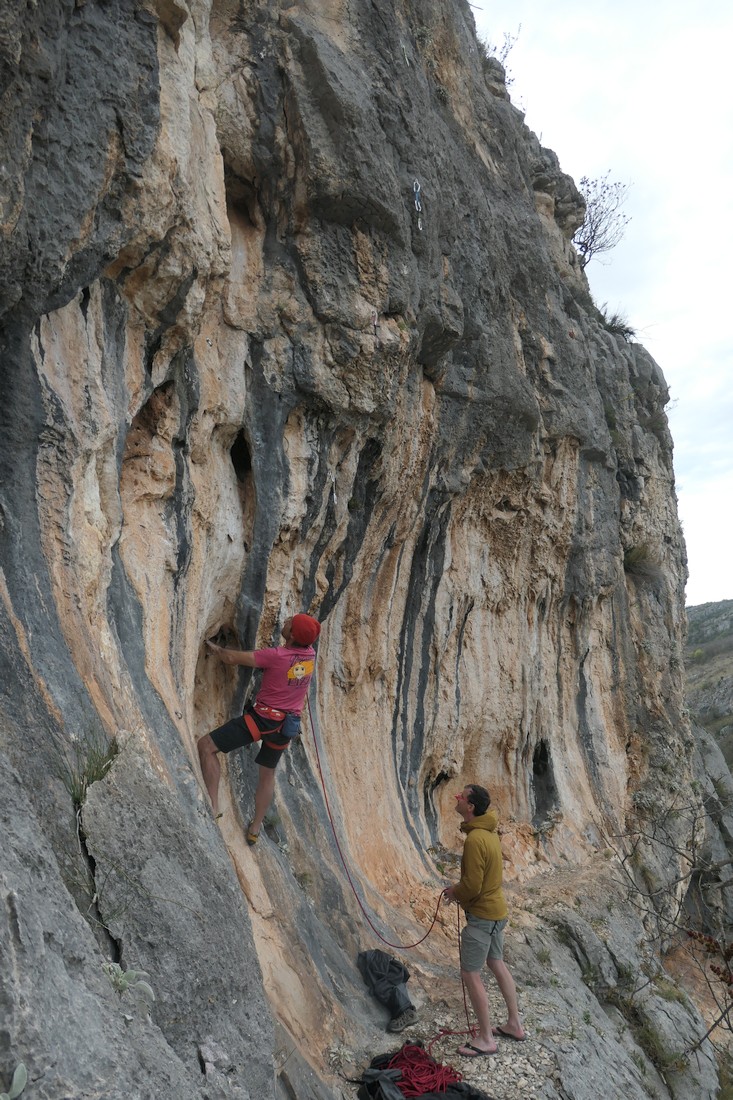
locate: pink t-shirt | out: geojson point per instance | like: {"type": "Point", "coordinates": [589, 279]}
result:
{"type": "Point", "coordinates": [287, 674]}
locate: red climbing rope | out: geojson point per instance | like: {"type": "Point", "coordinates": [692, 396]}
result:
{"type": "Point", "coordinates": [471, 1031]}
{"type": "Point", "coordinates": [420, 1072]}
{"type": "Point", "coordinates": [398, 946]}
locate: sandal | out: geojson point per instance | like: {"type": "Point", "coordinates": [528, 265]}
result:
{"type": "Point", "coordinates": [251, 837]}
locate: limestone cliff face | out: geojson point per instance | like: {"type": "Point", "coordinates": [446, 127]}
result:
{"type": "Point", "coordinates": [291, 320]}
{"type": "Point", "coordinates": [709, 670]}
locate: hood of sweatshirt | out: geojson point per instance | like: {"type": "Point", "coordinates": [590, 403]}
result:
{"type": "Point", "coordinates": [487, 821]}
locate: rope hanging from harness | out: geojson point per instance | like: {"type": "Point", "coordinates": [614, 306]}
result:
{"type": "Point", "coordinates": [378, 934]}
{"type": "Point", "coordinates": [471, 1030]}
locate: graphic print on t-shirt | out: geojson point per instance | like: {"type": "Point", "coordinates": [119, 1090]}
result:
{"type": "Point", "coordinates": [300, 669]}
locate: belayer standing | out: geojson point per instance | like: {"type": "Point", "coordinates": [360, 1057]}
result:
{"type": "Point", "coordinates": [274, 717]}
{"type": "Point", "coordinates": [480, 894]}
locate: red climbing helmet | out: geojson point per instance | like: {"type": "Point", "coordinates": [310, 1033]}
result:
{"type": "Point", "coordinates": [304, 629]}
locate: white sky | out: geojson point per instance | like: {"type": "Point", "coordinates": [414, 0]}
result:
{"type": "Point", "coordinates": [645, 88]}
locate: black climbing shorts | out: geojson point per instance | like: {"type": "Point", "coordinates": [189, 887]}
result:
{"type": "Point", "coordinates": [235, 735]}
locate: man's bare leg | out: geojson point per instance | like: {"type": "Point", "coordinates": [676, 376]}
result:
{"type": "Point", "coordinates": [263, 796]}
{"type": "Point", "coordinates": [484, 1039]}
{"type": "Point", "coordinates": [508, 990]}
{"type": "Point", "coordinates": [210, 769]}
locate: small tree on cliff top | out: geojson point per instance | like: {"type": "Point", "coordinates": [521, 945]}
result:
{"type": "Point", "coordinates": [604, 223]}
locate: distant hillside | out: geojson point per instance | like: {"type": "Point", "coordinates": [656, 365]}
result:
{"type": "Point", "coordinates": [709, 664]}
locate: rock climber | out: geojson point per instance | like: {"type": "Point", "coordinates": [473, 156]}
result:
{"type": "Point", "coordinates": [480, 894]}
{"type": "Point", "coordinates": [273, 718]}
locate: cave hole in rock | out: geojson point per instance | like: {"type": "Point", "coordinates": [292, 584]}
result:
{"type": "Point", "coordinates": [241, 457]}
{"type": "Point", "coordinates": [432, 782]}
{"type": "Point", "coordinates": [243, 200]}
{"type": "Point", "coordinates": [543, 784]}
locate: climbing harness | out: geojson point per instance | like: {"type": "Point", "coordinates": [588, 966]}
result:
{"type": "Point", "coordinates": [269, 712]}
{"type": "Point", "coordinates": [265, 722]}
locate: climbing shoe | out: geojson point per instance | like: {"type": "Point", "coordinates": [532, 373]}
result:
{"type": "Point", "coordinates": [405, 1019]}
{"type": "Point", "coordinates": [251, 837]}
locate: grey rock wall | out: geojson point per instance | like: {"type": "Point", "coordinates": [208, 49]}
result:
{"type": "Point", "coordinates": [291, 320]}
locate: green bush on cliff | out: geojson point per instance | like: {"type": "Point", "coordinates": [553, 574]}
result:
{"type": "Point", "coordinates": [83, 760]}
{"type": "Point", "coordinates": [20, 1079]}
{"type": "Point", "coordinates": [615, 323]}
{"type": "Point", "coordinates": [122, 980]}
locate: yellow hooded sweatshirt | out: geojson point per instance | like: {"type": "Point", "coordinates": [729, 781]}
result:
{"type": "Point", "coordinates": [479, 891]}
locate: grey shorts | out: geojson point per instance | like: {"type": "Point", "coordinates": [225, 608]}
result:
{"type": "Point", "coordinates": [481, 940]}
